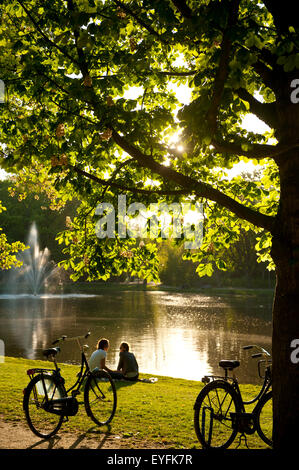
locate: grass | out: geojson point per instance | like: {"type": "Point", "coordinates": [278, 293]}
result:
{"type": "Point", "coordinates": [147, 414]}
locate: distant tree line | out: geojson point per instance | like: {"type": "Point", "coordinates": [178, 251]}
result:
{"type": "Point", "coordinates": [243, 270]}
{"type": "Point", "coordinates": [19, 216]}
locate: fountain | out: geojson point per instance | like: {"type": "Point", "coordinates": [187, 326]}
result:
{"type": "Point", "coordinates": [38, 277]}
{"type": "Point", "coordinates": [34, 274]}
{"type": "Point", "coordinates": [36, 265]}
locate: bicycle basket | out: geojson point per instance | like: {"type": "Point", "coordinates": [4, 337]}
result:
{"type": "Point", "coordinates": [243, 422]}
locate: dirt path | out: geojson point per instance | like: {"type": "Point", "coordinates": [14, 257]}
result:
{"type": "Point", "coordinates": [16, 435]}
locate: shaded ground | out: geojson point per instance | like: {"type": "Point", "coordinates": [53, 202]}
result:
{"type": "Point", "coordinates": [15, 435]}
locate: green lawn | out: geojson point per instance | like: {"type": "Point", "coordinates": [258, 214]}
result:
{"type": "Point", "coordinates": [160, 413]}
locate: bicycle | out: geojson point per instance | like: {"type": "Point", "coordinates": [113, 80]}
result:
{"type": "Point", "coordinates": [219, 410]}
{"type": "Point", "coordinates": [46, 402]}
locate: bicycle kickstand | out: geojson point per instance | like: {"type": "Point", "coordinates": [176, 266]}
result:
{"type": "Point", "coordinates": [242, 436]}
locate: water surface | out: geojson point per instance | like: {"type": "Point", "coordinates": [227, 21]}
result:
{"type": "Point", "coordinates": [174, 334]}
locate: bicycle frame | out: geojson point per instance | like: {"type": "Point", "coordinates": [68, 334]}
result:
{"type": "Point", "coordinates": [234, 382]}
{"type": "Point", "coordinates": [84, 372]}
{"type": "Point", "coordinates": [265, 387]}
{"type": "Point", "coordinates": [226, 405]}
{"type": "Point", "coordinates": [75, 388]}
{"type": "Point", "coordinates": [245, 422]}
{"type": "Point", "coordinates": [46, 392]}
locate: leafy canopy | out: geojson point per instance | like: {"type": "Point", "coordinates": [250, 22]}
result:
{"type": "Point", "coordinates": [71, 126]}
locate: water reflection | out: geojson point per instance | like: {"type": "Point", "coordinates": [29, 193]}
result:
{"type": "Point", "coordinates": [180, 335]}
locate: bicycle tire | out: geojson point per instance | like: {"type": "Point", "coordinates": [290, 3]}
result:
{"type": "Point", "coordinates": [212, 420]}
{"type": "Point", "coordinates": [264, 418]}
{"type": "Point", "coordinates": [42, 423]}
{"type": "Point", "coordinates": [100, 398]}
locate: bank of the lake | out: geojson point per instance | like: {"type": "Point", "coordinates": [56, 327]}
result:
{"type": "Point", "coordinates": [158, 414]}
{"type": "Point", "coordinates": [98, 286]}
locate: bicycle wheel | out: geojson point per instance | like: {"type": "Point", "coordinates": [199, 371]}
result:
{"type": "Point", "coordinates": [41, 422]}
{"type": "Point", "coordinates": [100, 397]}
{"type": "Point", "coordinates": [212, 420]}
{"type": "Point", "coordinates": [264, 418]}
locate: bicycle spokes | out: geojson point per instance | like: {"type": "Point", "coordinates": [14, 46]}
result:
{"type": "Point", "coordinates": [100, 398]}
{"type": "Point", "coordinates": [221, 406]}
{"type": "Point", "coordinates": [212, 419]}
{"type": "Point", "coordinates": [39, 393]}
{"type": "Point", "coordinates": [98, 391]}
{"type": "Point", "coordinates": [207, 423]}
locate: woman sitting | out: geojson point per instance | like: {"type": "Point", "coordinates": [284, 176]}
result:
{"type": "Point", "coordinates": [127, 364]}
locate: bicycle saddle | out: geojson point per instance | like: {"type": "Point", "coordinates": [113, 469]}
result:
{"type": "Point", "coordinates": [51, 352]}
{"type": "Point", "coordinates": [229, 364]}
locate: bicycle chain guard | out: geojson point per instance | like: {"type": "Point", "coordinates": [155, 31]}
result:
{"type": "Point", "coordinates": [67, 406]}
{"type": "Point", "coordinates": [243, 422]}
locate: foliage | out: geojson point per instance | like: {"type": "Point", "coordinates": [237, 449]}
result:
{"type": "Point", "coordinates": [240, 261]}
{"type": "Point", "coordinates": [8, 257]}
{"type": "Point", "coordinates": [93, 260]}
{"type": "Point", "coordinates": [70, 115]}
{"type": "Point", "coordinates": [36, 179]}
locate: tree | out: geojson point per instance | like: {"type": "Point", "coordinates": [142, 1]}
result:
{"type": "Point", "coordinates": [66, 68]}
{"type": "Point", "coordinates": [173, 270]}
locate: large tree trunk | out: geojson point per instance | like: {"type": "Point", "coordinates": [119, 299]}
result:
{"type": "Point", "coordinates": [285, 252]}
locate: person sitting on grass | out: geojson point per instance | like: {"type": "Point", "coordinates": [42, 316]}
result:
{"type": "Point", "coordinates": [127, 365]}
{"type": "Point", "coordinates": [98, 359]}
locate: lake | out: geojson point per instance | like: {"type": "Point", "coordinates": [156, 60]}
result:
{"type": "Point", "coordinates": [174, 334]}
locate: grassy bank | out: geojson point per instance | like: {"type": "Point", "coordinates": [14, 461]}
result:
{"type": "Point", "coordinates": [159, 413]}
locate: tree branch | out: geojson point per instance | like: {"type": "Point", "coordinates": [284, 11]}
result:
{"type": "Point", "coordinates": [266, 56]}
{"type": "Point", "coordinates": [183, 8]}
{"type": "Point", "coordinates": [52, 43]}
{"type": "Point", "coordinates": [195, 187]}
{"type": "Point", "coordinates": [265, 73]}
{"type": "Point", "coordinates": [108, 183]}
{"type": "Point", "coordinates": [139, 20]}
{"type": "Point", "coordinates": [82, 61]}
{"type": "Point", "coordinates": [223, 68]}
{"type": "Point", "coordinates": [283, 17]}
{"type": "Point", "coordinates": [73, 113]}
{"type": "Point", "coordinates": [116, 171]}
{"type": "Point", "coordinates": [255, 151]}
{"type": "Point", "coordinates": [265, 111]}
{"type": "Point", "coordinates": [174, 73]}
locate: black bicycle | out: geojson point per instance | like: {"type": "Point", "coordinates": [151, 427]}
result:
{"type": "Point", "coordinates": [47, 403]}
{"type": "Point", "coordinates": [219, 410]}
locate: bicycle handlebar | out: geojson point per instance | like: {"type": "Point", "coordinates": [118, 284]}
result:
{"type": "Point", "coordinates": [263, 351]}
{"type": "Point", "coordinates": [74, 338]}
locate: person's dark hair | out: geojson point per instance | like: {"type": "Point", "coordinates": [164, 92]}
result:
{"type": "Point", "coordinates": [102, 343]}
{"type": "Point", "coordinates": [126, 346]}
